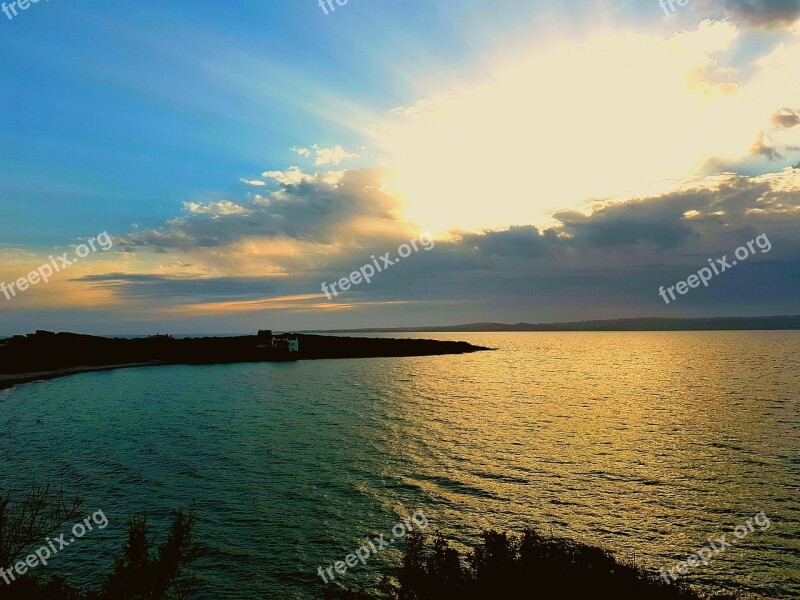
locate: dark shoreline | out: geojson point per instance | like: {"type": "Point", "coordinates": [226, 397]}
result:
{"type": "Point", "coordinates": [9, 381]}
{"type": "Point", "coordinates": [45, 355]}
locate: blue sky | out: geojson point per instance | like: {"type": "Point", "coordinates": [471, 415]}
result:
{"type": "Point", "coordinates": [124, 117]}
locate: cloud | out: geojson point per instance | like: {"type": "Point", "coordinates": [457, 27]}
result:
{"type": "Point", "coordinates": [607, 261]}
{"type": "Point", "coordinates": [309, 217]}
{"type": "Point", "coordinates": [292, 176]}
{"type": "Point", "coordinates": [327, 156]}
{"type": "Point", "coordinates": [765, 13]}
{"type": "Point", "coordinates": [293, 302]}
{"type": "Point", "coordinates": [764, 148]}
{"type": "Point", "coordinates": [138, 286]}
{"type": "Point", "coordinates": [226, 207]}
{"type": "Point", "coordinates": [633, 223]}
{"type": "Point", "coordinates": [786, 118]}
{"type": "Point", "coordinates": [304, 152]}
{"type": "Point", "coordinates": [253, 182]}
{"type": "Point", "coordinates": [517, 241]}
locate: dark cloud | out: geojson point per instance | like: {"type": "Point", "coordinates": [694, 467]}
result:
{"type": "Point", "coordinates": [639, 222]}
{"type": "Point", "coordinates": [518, 241]}
{"type": "Point", "coordinates": [608, 263]}
{"type": "Point", "coordinates": [182, 289]}
{"type": "Point", "coordinates": [312, 209]}
{"type": "Point", "coordinates": [765, 13]}
{"type": "Point", "coordinates": [618, 256]}
{"type": "Point", "coordinates": [764, 149]}
{"type": "Point", "coordinates": [787, 119]}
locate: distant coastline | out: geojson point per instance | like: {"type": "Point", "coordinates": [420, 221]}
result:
{"type": "Point", "coordinates": [47, 355]}
{"type": "Point", "coordinates": [778, 323]}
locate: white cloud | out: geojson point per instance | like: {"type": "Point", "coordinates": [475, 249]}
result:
{"type": "Point", "coordinates": [253, 182]}
{"type": "Point", "coordinates": [327, 156]}
{"type": "Point", "coordinates": [292, 176]}
{"type": "Point", "coordinates": [226, 207]}
{"type": "Point", "coordinates": [295, 176]}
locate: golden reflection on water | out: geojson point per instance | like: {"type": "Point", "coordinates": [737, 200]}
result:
{"type": "Point", "coordinates": [645, 442]}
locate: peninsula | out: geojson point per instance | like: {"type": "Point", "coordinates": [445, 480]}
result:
{"type": "Point", "coordinates": [46, 355]}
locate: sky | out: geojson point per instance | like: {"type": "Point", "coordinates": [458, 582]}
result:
{"type": "Point", "coordinates": [548, 162]}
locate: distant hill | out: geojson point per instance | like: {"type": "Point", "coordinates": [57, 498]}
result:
{"type": "Point", "coordinates": [789, 322]}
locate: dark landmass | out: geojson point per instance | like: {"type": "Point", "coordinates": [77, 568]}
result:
{"type": "Point", "coordinates": [45, 355]}
{"type": "Point", "coordinates": [790, 322]}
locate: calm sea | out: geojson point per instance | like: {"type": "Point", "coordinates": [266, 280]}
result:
{"type": "Point", "coordinates": [646, 443]}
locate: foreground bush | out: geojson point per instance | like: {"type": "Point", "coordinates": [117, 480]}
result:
{"type": "Point", "coordinates": [529, 566]}
{"type": "Point", "coordinates": [145, 571]}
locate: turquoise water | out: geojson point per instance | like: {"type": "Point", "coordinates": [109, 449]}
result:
{"type": "Point", "coordinates": [647, 443]}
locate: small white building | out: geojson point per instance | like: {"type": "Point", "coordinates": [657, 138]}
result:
{"type": "Point", "coordinates": [290, 345]}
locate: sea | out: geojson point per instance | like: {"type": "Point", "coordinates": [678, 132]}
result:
{"type": "Point", "coordinates": [644, 443]}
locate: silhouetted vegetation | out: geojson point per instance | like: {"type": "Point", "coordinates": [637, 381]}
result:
{"type": "Point", "coordinates": [32, 518]}
{"type": "Point", "coordinates": [145, 571]}
{"type": "Point", "coordinates": [501, 565]}
{"type": "Point", "coordinates": [530, 565]}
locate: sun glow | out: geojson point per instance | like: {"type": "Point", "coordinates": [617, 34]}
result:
{"type": "Point", "coordinates": [557, 128]}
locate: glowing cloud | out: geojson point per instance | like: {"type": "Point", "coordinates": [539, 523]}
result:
{"type": "Point", "coordinates": [562, 126]}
